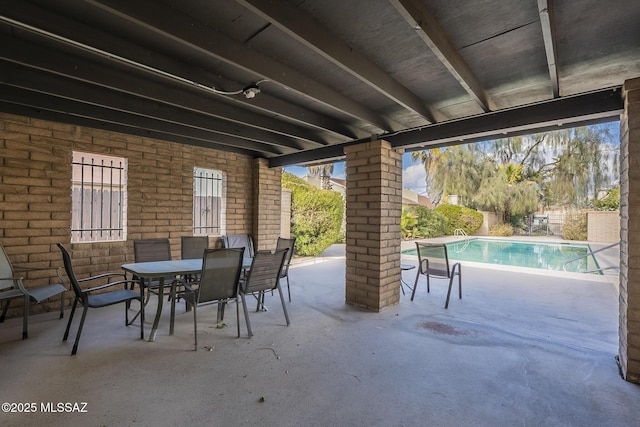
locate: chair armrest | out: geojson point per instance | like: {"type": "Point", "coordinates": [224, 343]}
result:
{"type": "Point", "coordinates": [15, 280]}
{"type": "Point", "coordinates": [102, 276]}
{"type": "Point", "coordinates": [25, 291]}
{"type": "Point", "coordinates": [108, 285]}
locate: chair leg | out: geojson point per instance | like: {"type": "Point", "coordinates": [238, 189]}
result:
{"type": "Point", "coordinates": [195, 326]}
{"type": "Point", "coordinates": [446, 304]}
{"type": "Point", "coordinates": [284, 305]}
{"type": "Point", "coordinates": [75, 344]}
{"type": "Point", "coordinates": [288, 287]}
{"type": "Point", "coordinates": [238, 315]}
{"type": "Point", "coordinates": [25, 318]}
{"type": "Point", "coordinates": [246, 315]}
{"type": "Point", "coordinates": [415, 284]}
{"type": "Point", "coordinates": [4, 311]}
{"type": "Point", "coordinates": [61, 305]}
{"type": "Point", "coordinates": [73, 310]}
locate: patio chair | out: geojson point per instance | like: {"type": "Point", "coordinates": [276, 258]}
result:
{"type": "Point", "coordinates": [192, 247]}
{"type": "Point", "coordinates": [290, 245]}
{"type": "Point", "coordinates": [240, 241]}
{"type": "Point", "coordinates": [149, 250]}
{"type": "Point", "coordinates": [218, 283]}
{"type": "Point", "coordinates": [100, 296]}
{"type": "Point", "coordinates": [11, 287]}
{"type": "Point", "coordinates": [433, 261]}
{"type": "Point", "coordinates": [263, 276]}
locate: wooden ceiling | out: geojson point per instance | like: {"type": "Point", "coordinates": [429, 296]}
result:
{"type": "Point", "coordinates": [295, 81]}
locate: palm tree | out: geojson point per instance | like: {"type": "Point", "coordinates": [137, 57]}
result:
{"type": "Point", "coordinates": [323, 171]}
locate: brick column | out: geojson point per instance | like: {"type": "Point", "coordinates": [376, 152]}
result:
{"type": "Point", "coordinates": [374, 205]}
{"type": "Point", "coordinates": [267, 200]}
{"type": "Point", "coordinates": [629, 330]}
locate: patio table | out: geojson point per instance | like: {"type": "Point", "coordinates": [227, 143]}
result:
{"type": "Point", "coordinates": [160, 270]}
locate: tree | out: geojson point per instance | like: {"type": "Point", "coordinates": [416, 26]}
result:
{"type": "Point", "coordinates": [516, 174]}
{"type": "Point", "coordinates": [323, 171]}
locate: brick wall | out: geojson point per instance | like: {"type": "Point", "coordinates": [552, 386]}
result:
{"type": "Point", "coordinates": [629, 330]}
{"type": "Point", "coordinates": [35, 194]}
{"type": "Point", "coordinates": [266, 204]}
{"type": "Point", "coordinates": [373, 210]}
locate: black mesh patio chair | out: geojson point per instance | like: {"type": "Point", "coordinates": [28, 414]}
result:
{"type": "Point", "coordinates": [192, 247]}
{"type": "Point", "coordinates": [217, 284]}
{"type": "Point", "coordinates": [433, 261]}
{"type": "Point", "coordinates": [100, 296]}
{"type": "Point", "coordinates": [149, 250]}
{"type": "Point", "coordinates": [11, 287]}
{"type": "Point", "coordinates": [290, 245]}
{"type": "Point", "coordinates": [263, 276]}
{"type": "Point", "coordinates": [240, 241]}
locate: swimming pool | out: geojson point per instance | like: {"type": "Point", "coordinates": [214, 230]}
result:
{"type": "Point", "coordinates": [543, 255]}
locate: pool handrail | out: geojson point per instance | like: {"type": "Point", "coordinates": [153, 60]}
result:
{"type": "Point", "coordinates": [564, 266]}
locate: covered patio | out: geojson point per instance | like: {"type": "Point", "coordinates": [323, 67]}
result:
{"type": "Point", "coordinates": [246, 87]}
{"type": "Point", "coordinates": [518, 349]}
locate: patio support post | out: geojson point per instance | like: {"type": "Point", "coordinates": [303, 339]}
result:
{"type": "Point", "coordinates": [629, 329]}
{"type": "Point", "coordinates": [267, 199]}
{"type": "Point", "coordinates": [373, 209]}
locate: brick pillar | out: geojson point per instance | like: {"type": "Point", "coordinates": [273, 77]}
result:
{"type": "Point", "coordinates": [374, 205]}
{"type": "Point", "coordinates": [267, 200]}
{"type": "Point", "coordinates": [629, 330]}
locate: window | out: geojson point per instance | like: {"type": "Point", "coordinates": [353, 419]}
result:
{"type": "Point", "coordinates": [99, 198]}
{"type": "Point", "coordinates": [209, 202]}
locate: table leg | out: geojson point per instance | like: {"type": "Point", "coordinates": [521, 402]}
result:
{"type": "Point", "coordinates": [156, 321]}
{"type": "Point", "coordinates": [173, 306]}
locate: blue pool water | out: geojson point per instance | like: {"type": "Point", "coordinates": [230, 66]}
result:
{"type": "Point", "coordinates": [548, 256]}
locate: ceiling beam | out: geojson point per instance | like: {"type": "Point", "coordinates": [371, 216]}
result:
{"type": "Point", "coordinates": [81, 70]}
{"type": "Point", "coordinates": [548, 34]}
{"type": "Point", "coordinates": [415, 12]}
{"type": "Point", "coordinates": [100, 114]}
{"type": "Point", "coordinates": [31, 15]}
{"type": "Point", "coordinates": [171, 24]}
{"type": "Point", "coordinates": [579, 110]}
{"type": "Point", "coordinates": [210, 105]}
{"type": "Point", "coordinates": [61, 117]}
{"type": "Point", "coordinates": [312, 34]}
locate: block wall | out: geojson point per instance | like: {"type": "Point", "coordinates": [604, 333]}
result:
{"type": "Point", "coordinates": [603, 226]}
{"type": "Point", "coordinates": [629, 329]}
{"type": "Point", "coordinates": [373, 238]}
{"type": "Point", "coordinates": [267, 202]}
{"type": "Point", "coordinates": [35, 194]}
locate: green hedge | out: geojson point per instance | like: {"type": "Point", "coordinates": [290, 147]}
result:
{"type": "Point", "coordinates": [460, 217]}
{"type": "Point", "coordinates": [317, 215]}
{"type": "Point", "coordinates": [428, 222]}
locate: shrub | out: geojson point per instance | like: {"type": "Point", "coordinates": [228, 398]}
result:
{"type": "Point", "coordinates": [502, 230]}
{"type": "Point", "coordinates": [428, 222]}
{"type": "Point", "coordinates": [317, 215]}
{"type": "Point", "coordinates": [610, 202]}
{"type": "Point", "coordinates": [461, 217]}
{"type": "Point", "coordinates": [408, 224]}
{"type": "Point", "coordinates": [575, 226]}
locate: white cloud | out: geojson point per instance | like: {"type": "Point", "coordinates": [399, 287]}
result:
{"type": "Point", "coordinates": [413, 178]}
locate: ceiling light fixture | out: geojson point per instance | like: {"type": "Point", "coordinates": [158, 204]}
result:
{"type": "Point", "coordinates": [249, 91]}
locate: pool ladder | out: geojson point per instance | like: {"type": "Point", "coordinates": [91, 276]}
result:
{"type": "Point", "coordinates": [458, 233]}
{"type": "Point", "coordinates": [564, 266]}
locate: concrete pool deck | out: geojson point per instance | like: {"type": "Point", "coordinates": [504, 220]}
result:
{"type": "Point", "coordinates": [518, 349]}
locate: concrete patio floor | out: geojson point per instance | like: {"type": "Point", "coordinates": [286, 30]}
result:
{"type": "Point", "coordinates": [518, 349]}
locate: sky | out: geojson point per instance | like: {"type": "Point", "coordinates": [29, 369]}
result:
{"type": "Point", "coordinates": [413, 173]}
